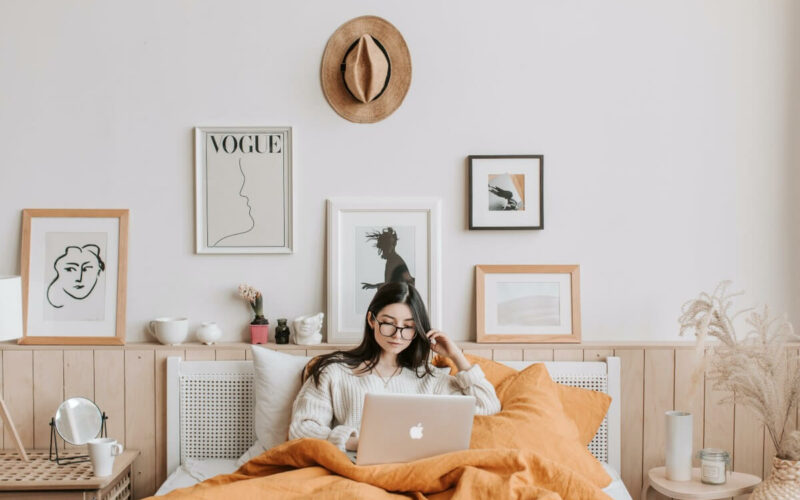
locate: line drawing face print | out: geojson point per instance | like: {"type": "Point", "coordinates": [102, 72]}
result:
{"type": "Point", "coordinates": [77, 273]}
{"type": "Point", "coordinates": [396, 269]}
{"type": "Point", "coordinates": [249, 208]}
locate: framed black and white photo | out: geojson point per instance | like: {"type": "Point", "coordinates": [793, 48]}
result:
{"type": "Point", "coordinates": [375, 241]}
{"type": "Point", "coordinates": [74, 276]}
{"type": "Point", "coordinates": [506, 192]}
{"type": "Point", "coordinates": [528, 303]}
{"type": "Point", "coordinates": [244, 194]}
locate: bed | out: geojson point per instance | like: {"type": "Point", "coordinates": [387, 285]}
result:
{"type": "Point", "coordinates": [210, 416]}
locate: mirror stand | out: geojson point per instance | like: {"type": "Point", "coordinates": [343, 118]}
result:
{"type": "Point", "coordinates": [54, 457]}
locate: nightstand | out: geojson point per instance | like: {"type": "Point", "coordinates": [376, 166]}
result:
{"type": "Point", "coordinates": [738, 483]}
{"type": "Point", "coordinates": [41, 478]}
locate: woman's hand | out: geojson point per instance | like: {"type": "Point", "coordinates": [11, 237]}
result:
{"type": "Point", "coordinates": [442, 344]}
{"type": "Point", "coordinates": [352, 443]}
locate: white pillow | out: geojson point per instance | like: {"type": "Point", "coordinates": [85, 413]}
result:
{"type": "Point", "coordinates": [276, 383]}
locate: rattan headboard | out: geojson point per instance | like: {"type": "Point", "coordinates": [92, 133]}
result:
{"type": "Point", "coordinates": [210, 406]}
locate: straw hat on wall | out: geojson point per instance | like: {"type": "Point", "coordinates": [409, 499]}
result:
{"type": "Point", "coordinates": [366, 69]}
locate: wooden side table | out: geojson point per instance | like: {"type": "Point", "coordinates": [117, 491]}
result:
{"type": "Point", "coordinates": [738, 483]}
{"type": "Point", "coordinates": [41, 478]}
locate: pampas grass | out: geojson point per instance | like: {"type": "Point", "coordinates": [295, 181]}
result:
{"type": "Point", "coordinates": [754, 368]}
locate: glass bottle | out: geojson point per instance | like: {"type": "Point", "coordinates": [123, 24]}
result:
{"type": "Point", "coordinates": [282, 332]}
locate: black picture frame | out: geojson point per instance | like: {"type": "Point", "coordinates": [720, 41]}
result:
{"type": "Point", "coordinates": [478, 225]}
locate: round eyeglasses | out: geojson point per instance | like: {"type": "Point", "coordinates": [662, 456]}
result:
{"type": "Point", "coordinates": [388, 330]}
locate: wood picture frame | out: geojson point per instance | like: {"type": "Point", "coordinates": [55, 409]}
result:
{"type": "Point", "coordinates": [74, 268]}
{"type": "Point", "coordinates": [528, 303]}
{"type": "Point", "coordinates": [506, 191]}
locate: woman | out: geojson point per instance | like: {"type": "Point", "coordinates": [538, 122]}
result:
{"type": "Point", "coordinates": [396, 269]}
{"type": "Point", "coordinates": [392, 357]}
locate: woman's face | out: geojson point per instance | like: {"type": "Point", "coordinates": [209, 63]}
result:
{"type": "Point", "coordinates": [78, 271]}
{"type": "Point", "coordinates": [398, 315]}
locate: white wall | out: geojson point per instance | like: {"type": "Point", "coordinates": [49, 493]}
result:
{"type": "Point", "coordinates": [669, 131]}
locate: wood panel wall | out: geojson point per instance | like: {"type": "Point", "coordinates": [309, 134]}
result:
{"type": "Point", "coordinates": [128, 383]}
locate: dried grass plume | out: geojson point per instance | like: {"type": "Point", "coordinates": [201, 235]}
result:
{"type": "Point", "coordinates": [754, 368]}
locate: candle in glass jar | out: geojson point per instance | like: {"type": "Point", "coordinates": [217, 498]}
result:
{"type": "Point", "coordinates": [713, 465]}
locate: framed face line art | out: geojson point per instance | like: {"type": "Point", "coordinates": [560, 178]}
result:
{"type": "Point", "coordinates": [74, 265]}
{"type": "Point", "coordinates": [243, 190]}
{"type": "Point", "coordinates": [506, 192]}
{"type": "Point", "coordinates": [372, 241]}
{"type": "Point", "coordinates": [528, 303]}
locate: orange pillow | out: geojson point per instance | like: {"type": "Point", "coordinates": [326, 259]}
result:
{"type": "Point", "coordinates": [533, 419]}
{"type": "Point", "coordinates": [585, 408]}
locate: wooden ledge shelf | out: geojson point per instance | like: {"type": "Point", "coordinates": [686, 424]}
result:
{"type": "Point", "coordinates": [466, 345]}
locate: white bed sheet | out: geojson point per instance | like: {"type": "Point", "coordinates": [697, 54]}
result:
{"type": "Point", "coordinates": [196, 471]}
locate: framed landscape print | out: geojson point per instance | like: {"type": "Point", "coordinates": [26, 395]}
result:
{"type": "Point", "coordinates": [528, 303]}
{"type": "Point", "coordinates": [506, 192]}
{"type": "Point", "coordinates": [74, 266]}
{"type": "Point", "coordinates": [243, 190]}
{"type": "Point", "coordinates": [375, 241]}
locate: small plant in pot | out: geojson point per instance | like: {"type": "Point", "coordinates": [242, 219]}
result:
{"type": "Point", "coordinates": [259, 327]}
{"type": "Point", "coordinates": [757, 371]}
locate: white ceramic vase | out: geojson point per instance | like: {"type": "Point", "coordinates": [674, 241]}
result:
{"type": "Point", "coordinates": [679, 446]}
{"type": "Point", "coordinates": [208, 333]}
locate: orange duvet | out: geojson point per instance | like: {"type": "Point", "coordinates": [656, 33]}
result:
{"type": "Point", "coordinates": [312, 468]}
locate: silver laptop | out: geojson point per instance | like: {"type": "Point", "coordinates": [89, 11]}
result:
{"type": "Point", "coordinates": [406, 427]}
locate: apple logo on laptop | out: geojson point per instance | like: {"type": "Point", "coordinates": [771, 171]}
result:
{"type": "Point", "coordinates": [416, 431]}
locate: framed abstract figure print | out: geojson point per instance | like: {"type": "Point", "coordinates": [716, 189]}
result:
{"type": "Point", "coordinates": [74, 265]}
{"type": "Point", "coordinates": [528, 303]}
{"type": "Point", "coordinates": [506, 192]}
{"type": "Point", "coordinates": [373, 241]}
{"type": "Point", "coordinates": [243, 190]}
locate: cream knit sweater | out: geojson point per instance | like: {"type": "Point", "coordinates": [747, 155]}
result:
{"type": "Point", "coordinates": [332, 411]}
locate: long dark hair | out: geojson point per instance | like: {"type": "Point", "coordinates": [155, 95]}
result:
{"type": "Point", "coordinates": [414, 357]}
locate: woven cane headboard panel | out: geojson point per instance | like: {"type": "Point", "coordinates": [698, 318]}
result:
{"type": "Point", "coordinates": [599, 445]}
{"type": "Point", "coordinates": [216, 415]}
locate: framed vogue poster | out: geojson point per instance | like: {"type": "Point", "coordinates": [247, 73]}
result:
{"type": "Point", "coordinates": [243, 190]}
{"type": "Point", "coordinates": [506, 192]}
{"type": "Point", "coordinates": [521, 303]}
{"type": "Point", "coordinates": [375, 241]}
{"type": "Point", "coordinates": [74, 275]}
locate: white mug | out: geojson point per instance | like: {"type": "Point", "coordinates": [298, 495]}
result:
{"type": "Point", "coordinates": [102, 452]}
{"type": "Point", "coordinates": [169, 330]}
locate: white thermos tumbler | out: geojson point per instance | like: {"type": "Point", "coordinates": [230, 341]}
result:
{"type": "Point", "coordinates": [679, 445]}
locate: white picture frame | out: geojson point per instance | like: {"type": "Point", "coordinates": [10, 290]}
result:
{"type": "Point", "coordinates": [244, 194]}
{"type": "Point", "coordinates": [355, 227]}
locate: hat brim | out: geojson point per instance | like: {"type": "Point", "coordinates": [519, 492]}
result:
{"type": "Point", "coordinates": [399, 58]}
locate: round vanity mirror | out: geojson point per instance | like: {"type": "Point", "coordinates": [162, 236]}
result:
{"type": "Point", "coordinates": [78, 420]}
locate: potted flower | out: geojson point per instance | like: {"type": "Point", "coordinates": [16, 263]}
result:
{"type": "Point", "coordinates": [755, 369]}
{"type": "Point", "coordinates": [259, 327]}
